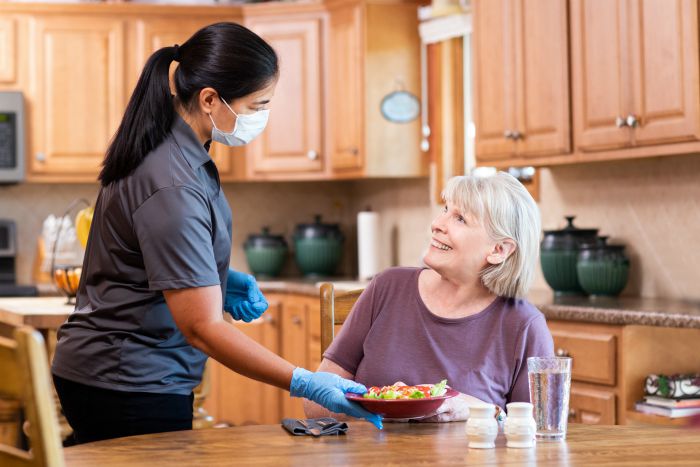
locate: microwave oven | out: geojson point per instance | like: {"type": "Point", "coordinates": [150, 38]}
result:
{"type": "Point", "coordinates": [11, 137]}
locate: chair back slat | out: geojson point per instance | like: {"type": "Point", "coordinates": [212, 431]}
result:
{"type": "Point", "coordinates": [11, 380]}
{"type": "Point", "coordinates": [335, 309]}
{"type": "Point", "coordinates": [26, 358]}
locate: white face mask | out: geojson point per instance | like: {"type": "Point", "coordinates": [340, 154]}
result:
{"type": "Point", "coordinates": [247, 127]}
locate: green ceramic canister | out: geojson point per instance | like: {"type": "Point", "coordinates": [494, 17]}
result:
{"type": "Point", "coordinates": [602, 269]}
{"type": "Point", "coordinates": [265, 253]}
{"type": "Point", "coordinates": [559, 253]}
{"type": "Point", "coordinates": [318, 248]}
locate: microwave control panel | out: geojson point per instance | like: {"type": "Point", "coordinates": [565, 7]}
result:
{"type": "Point", "coordinates": [11, 137]}
{"type": "Point", "coordinates": [8, 140]}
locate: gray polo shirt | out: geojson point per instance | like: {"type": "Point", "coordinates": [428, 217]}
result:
{"type": "Point", "coordinates": [165, 226]}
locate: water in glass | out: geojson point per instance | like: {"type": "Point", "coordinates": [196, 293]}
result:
{"type": "Point", "coordinates": [550, 382]}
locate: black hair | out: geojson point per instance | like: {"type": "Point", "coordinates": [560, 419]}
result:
{"type": "Point", "coordinates": [225, 56]}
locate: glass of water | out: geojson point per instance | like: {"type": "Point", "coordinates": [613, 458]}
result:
{"type": "Point", "coordinates": [550, 381]}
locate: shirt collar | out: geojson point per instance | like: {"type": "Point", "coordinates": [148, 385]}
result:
{"type": "Point", "coordinates": [195, 154]}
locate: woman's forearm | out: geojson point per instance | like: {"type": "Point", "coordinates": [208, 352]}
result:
{"type": "Point", "coordinates": [198, 314]}
{"type": "Point", "coordinates": [231, 347]}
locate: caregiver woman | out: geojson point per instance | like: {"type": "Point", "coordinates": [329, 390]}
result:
{"type": "Point", "coordinates": [156, 276]}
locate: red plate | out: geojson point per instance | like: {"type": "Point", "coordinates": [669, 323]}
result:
{"type": "Point", "coordinates": [402, 408]}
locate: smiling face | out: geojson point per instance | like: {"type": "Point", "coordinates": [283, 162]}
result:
{"type": "Point", "coordinates": [460, 246]}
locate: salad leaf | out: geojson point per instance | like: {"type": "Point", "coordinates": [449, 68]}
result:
{"type": "Point", "coordinates": [389, 395]}
{"type": "Point", "coordinates": [416, 395]}
{"type": "Point", "coordinates": [439, 389]}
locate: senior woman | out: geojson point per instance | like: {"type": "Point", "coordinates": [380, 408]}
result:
{"type": "Point", "coordinates": [464, 317]}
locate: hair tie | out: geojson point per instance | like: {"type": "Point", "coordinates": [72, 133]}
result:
{"type": "Point", "coordinates": [176, 54]}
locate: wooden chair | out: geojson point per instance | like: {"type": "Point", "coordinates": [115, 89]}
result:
{"type": "Point", "coordinates": [335, 308]}
{"type": "Point", "coordinates": [25, 377]}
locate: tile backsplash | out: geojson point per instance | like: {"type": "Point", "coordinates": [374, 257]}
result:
{"type": "Point", "coordinates": [651, 205]}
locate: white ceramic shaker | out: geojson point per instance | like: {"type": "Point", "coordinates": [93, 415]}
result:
{"type": "Point", "coordinates": [520, 426]}
{"type": "Point", "coordinates": [482, 427]}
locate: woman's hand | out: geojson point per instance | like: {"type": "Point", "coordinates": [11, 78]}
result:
{"type": "Point", "coordinates": [328, 390]}
{"type": "Point", "coordinates": [243, 300]}
{"type": "Point", "coordinates": [454, 409]}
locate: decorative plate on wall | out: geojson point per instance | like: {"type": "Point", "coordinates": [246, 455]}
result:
{"type": "Point", "coordinates": [400, 107]}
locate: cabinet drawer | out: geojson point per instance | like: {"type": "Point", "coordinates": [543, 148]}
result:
{"type": "Point", "coordinates": [591, 406]}
{"type": "Point", "coordinates": [593, 352]}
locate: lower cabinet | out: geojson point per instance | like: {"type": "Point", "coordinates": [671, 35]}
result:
{"type": "Point", "coordinates": [611, 362]}
{"type": "Point", "coordinates": [291, 328]}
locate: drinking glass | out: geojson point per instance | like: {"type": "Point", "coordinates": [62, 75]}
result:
{"type": "Point", "coordinates": [550, 382]}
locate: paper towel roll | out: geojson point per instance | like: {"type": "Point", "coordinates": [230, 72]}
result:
{"type": "Point", "coordinates": [368, 244]}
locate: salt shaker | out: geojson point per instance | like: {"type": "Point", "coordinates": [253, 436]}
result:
{"type": "Point", "coordinates": [520, 426]}
{"type": "Point", "coordinates": [482, 427]}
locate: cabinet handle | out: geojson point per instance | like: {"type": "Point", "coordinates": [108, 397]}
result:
{"type": "Point", "coordinates": [517, 135]}
{"type": "Point", "coordinates": [312, 155]}
{"type": "Point", "coordinates": [620, 122]}
{"type": "Point", "coordinates": [562, 352]}
{"type": "Point", "coordinates": [508, 134]}
{"type": "Point", "coordinates": [632, 121]}
{"type": "Point", "coordinates": [572, 415]}
{"type": "Point", "coordinates": [40, 157]}
{"type": "Point", "coordinates": [296, 320]}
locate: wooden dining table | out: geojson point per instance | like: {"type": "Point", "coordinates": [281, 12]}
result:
{"type": "Point", "coordinates": [396, 444]}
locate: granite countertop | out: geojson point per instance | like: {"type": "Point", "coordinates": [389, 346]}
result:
{"type": "Point", "coordinates": [618, 310]}
{"type": "Point", "coordinates": [310, 287]}
{"type": "Point", "coordinates": [606, 310]}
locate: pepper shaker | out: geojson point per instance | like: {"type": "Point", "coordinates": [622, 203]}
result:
{"type": "Point", "coordinates": [520, 426]}
{"type": "Point", "coordinates": [482, 427]}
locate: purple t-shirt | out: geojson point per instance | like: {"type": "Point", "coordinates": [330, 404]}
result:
{"type": "Point", "coordinates": [391, 336]}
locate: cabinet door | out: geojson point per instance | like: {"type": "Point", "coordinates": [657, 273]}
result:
{"type": "Point", "coordinates": [542, 76]}
{"type": "Point", "coordinates": [294, 347]}
{"type": "Point", "coordinates": [8, 51]}
{"type": "Point", "coordinates": [664, 42]}
{"type": "Point", "coordinates": [241, 400]}
{"type": "Point", "coordinates": [292, 140]}
{"type": "Point", "coordinates": [600, 73]}
{"type": "Point", "coordinates": [346, 83]}
{"type": "Point", "coordinates": [591, 406]}
{"type": "Point", "coordinates": [76, 94]}
{"type": "Point", "coordinates": [494, 79]}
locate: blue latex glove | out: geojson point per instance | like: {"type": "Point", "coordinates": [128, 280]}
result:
{"type": "Point", "coordinates": [243, 299]}
{"type": "Point", "coordinates": [328, 389]}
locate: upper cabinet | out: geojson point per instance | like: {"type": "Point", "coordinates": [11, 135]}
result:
{"type": "Point", "coordinates": [76, 93]}
{"type": "Point", "coordinates": [521, 79]}
{"type": "Point", "coordinates": [373, 51]}
{"type": "Point", "coordinates": [635, 73]}
{"type": "Point", "coordinates": [292, 142]}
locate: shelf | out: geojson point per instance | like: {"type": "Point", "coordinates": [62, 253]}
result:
{"type": "Point", "coordinates": [638, 418]}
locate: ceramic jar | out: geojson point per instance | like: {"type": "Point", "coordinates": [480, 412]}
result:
{"type": "Point", "coordinates": [602, 269]}
{"type": "Point", "coordinates": [559, 253]}
{"type": "Point", "coordinates": [266, 253]}
{"type": "Point", "coordinates": [520, 426]}
{"type": "Point", "coordinates": [318, 247]}
{"type": "Point", "coordinates": [482, 427]}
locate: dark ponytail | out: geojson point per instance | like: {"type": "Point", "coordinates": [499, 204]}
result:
{"type": "Point", "coordinates": [225, 56]}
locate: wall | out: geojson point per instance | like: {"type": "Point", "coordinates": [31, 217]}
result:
{"type": "Point", "coordinates": [651, 205]}
{"type": "Point", "coordinates": [278, 205]}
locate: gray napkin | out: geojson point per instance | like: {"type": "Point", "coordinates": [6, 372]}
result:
{"type": "Point", "coordinates": [324, 425]}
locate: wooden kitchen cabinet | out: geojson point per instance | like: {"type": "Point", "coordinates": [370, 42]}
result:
{"type": "Point", "coordinates": [291, 327]}
{"type": "Point", "coordinates": [521, 79]}
{"type": "Point", "coordinates": [635, 73]}
{"type": "Point", "coordinates": [292, 141]}
{"type": "Point", "coordinates": [373, 50]}
{"type": "Point", "coordinates": [76, 93]}
{"type": "Point", "coordinates": [611, 362]}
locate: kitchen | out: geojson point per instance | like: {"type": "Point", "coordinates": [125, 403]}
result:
{"type": "Point", "coordinates": [638, 190]}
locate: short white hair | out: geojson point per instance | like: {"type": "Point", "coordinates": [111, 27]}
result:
{"type": "Point", "coordinates": [507, 211]}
